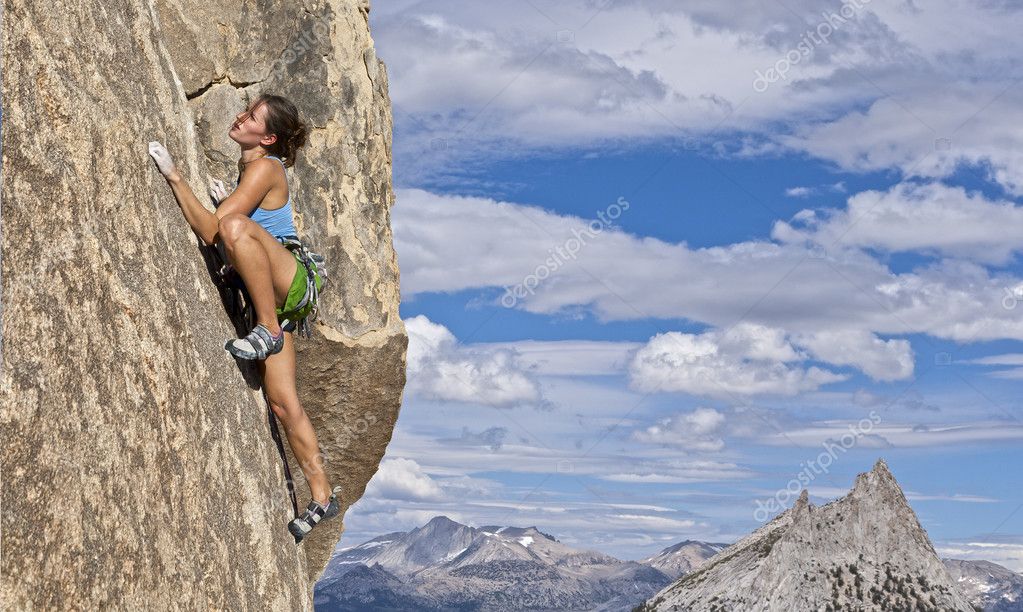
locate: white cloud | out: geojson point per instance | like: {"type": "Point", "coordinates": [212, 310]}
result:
{"type": "Point", "coordinates": [930, 217]}
{"type": "Point", "coordinates": [440, 368]}
{"type": "Point", "coordinates": [570, 357]}
{"type": "Point", "coordinates": [830, 493]}
{"type": "Point", "coordinates": [922, 138]}
{"type": "Point", "coordinates": [696, 431]}
{"type": "Point", "coordinates": [878, 94]}
{"type": "Point", "coordinates": [906, 435]}
{"type": "Point", "coordinates": [1003, 359]}
{"type": "Point", "coordinates": [954, 497]}
{"type": "Point", "coordinates": [1011, 359]}
{"type": "Point", "coordinates": [1010, 374]}
{"type": "Point", "coordinates": [805, 192]}
{"type": "Point", "coordinates": [677, 471]}
{"type": "Point", "coordinates": [654, 523]}
{"type": "Point", "coordinates": [403, 479]}
{"type": "Point", "coordinates": [452, 243]}
{"type": "Point", "coordinates": [747, 359]}
{"type": "Point", "coordinates": [880, 359]}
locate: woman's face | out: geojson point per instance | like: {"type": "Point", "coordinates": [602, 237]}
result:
{"type": "Point", "coordinates": [249, 127]}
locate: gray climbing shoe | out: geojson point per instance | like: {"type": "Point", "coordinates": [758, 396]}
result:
{"type": "Point", "coordinates": [315, 514]}
{"type": "Point", "coordinates": [259, 344]}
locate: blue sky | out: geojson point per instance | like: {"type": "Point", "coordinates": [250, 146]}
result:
{"type": "Point", "coordinates": [646, 293]}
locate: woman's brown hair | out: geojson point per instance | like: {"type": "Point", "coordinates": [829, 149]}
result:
{"type": "Point", "coordinates": [282, 119]}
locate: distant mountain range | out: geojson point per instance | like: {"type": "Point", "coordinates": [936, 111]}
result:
{"type": "Point", "coordinates": [989, 586]}
{"type": "Point", "coordinates": [679, 559]}
{"type": "Point", "coordinates": [445, 566]}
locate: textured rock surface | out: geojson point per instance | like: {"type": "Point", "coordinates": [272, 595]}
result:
{"type": "Point", "coordinates": [126, 426]}
{"type": "Point", "coordinates": [865, 551]}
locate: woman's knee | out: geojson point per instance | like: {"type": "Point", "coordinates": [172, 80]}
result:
{"type": "Point", "coordinates": [232, 226]}
{"type": "Point", "coordinates": [287, 410]}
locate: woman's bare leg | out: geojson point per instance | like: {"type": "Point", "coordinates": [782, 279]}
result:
{"type": "Point", "coordinates": [266, 269]}
{"type": "Point", "coordinates": [278, 373]}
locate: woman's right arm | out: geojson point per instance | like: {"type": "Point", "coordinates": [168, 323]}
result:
{"type": "Point", "coordinates": [255, 184]}
{"type": "Point", "coordinates": [203, 222]}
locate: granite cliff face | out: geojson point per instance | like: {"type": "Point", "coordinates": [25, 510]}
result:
{"type": "Point", "coordinates": [138, 466]}
{"type": "Point", "coordinates": [865, 551]}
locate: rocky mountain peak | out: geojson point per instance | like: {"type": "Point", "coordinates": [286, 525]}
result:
{"type": "Point", "coordinates": [440, 523]}
{"type": "Point", "coordinates": [878, 481]}
{"type": "Point", "coordinates": [866, 549]}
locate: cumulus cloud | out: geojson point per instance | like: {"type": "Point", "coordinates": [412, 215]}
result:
{"type": "Point", "coordinates": [696, 431]}
{"type": "Point", "coordinates": [921, 88]}
{"type": "Point", "coordinates": [453, 243]}
{"type": "Point", "coordinates": [748, 359]}
{"type": "Point", "coordinates": [930, 140]}
{"type": "Point", "coordinates": [403, 479]}
{"type": "Point", "coordinates": [930, 217]}
{"type": "Point", "coordinates": [877, 358]}
{"type": "Point", "coordinates": [571, 357]}
{"type": "Point", "coordinates": [441, 368]}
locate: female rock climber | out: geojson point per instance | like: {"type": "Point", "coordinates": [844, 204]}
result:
{"type": "Point", "coordinates": [249, 223]}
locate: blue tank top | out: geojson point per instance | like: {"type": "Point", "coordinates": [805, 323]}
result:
{"type": "Point", "coordinates": [278, 221]}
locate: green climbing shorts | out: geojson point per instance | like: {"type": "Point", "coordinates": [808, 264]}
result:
{"type": "Point", "coordinates": [296, 292]}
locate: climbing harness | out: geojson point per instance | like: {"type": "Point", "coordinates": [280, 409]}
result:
{"type": "Point", "coordinates": [298, 318]}
{"type": "Point", "coordinates": [314, 263]}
